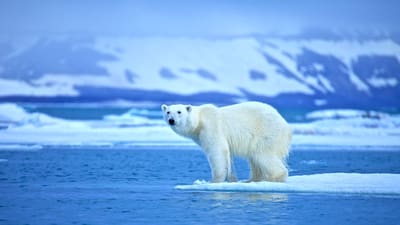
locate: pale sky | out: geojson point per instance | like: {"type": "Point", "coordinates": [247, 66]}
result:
{"type": "Point", "coordinates": [202, 18]}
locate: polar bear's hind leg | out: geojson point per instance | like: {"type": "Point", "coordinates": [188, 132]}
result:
{"type": "Point", "coordinates": [268, 167]}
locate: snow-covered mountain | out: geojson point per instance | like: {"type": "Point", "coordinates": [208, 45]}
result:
{"type": "Point", "coordinates": [311, 72]}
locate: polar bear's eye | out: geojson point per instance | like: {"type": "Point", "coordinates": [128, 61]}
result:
{"type": "Point", "coordinates": [168, 112]}
{"type": "Point", "coordinates": [179, 112]}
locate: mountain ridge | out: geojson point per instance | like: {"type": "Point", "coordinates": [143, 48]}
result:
{"type": "Point", "coordinates": [303, 72]}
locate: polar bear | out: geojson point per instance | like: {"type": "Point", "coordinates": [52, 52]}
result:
{"type": "Point", "coordinates": [252, 130]}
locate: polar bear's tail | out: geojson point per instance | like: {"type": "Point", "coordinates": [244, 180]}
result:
{"type": "Point", "coordinates": [284, 142]}
{"type": "Point", "coordinates": [289, 137]}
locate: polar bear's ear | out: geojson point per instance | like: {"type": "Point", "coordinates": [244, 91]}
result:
{"type": "Point", "coordinates": [189, 108]}
{"type": "Point", "coordinates": [164, 107]}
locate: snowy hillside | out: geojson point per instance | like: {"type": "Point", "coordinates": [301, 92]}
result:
{"type": "Point", "coordinates": [282, 71]}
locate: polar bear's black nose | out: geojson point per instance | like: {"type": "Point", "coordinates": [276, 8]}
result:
{"type": "Point", "coordinates": [171, 122]}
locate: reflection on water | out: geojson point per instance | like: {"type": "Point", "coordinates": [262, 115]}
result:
{"type": "Point", "coordinates": [243, 196]}
{"type": "Point", "coordinates": [240, 207]}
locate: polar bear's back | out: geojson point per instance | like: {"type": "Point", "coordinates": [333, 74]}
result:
{"type": "Point", "coordinates": [245, 106]}
{"type": "Point", "coordinates": [247, 124]}
{"type": "Point", "coordinates": [252, 112]}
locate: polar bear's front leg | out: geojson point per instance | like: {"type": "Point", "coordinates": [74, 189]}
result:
{"type": "Point", "coordinates": [219, 161]}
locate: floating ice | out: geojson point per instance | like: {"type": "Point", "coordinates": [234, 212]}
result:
{"type": "Point", "coordinates": [348, 127]}
{"type": "Point", "coordinates": [11, 112]}
{"type": "Point", "coordinates": [345, 113]}
{"type": "Point", "coordinates": [20, 147]}
{"type": "Point", "coordinates": [353, 183]}
{"type": "Point", "coordinates": [12, 115]}
{"type": "Point", "coordinates": [312, 162]}
{"type": "Point", "coordinates": [135, 117]}
{"type": "Point", "coordinates": [139, 127]}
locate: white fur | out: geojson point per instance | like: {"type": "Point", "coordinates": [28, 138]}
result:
{"type": "Point", "coordinates": [252, 130]}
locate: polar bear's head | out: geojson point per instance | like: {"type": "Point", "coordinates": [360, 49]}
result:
{"type": "Point", "coordinates": [177, 116]}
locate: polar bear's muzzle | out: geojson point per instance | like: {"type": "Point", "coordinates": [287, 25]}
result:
{"type": "Point", "coordinates": [171, 122]}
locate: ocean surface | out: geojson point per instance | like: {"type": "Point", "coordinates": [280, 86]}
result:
{"type": "Point", "coordinates": [102, 164]}
{"type": "Point", "coordinates": [81, 185]}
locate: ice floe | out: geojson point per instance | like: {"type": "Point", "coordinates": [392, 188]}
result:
{"type": "Point", "coordinates": [352, 183]}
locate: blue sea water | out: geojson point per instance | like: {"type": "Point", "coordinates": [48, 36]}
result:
{"type": "Point", "coordinates": [135, 185]}
{"type": "Point", "coordinates": [59, 185]}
